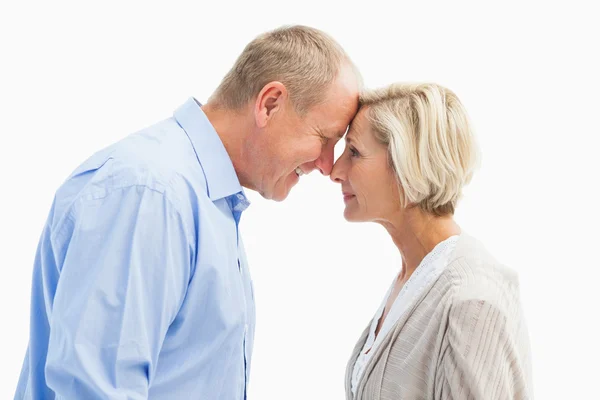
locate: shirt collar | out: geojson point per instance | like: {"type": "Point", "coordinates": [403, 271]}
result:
{"type": "Point", "coordinates": [221, 179]}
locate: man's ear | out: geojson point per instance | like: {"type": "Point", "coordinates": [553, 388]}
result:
{"type": "Point", "coordinates": [270, 100]}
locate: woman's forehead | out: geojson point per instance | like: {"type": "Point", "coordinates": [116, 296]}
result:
{"type": "Point", "coordinates": [359, 124]}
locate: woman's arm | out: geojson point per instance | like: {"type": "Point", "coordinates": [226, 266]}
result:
{"type": "Point", "coordinates": [485, 354]}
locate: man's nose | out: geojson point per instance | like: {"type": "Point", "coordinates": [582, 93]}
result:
{"type": "Point", "coordinates": [325, 162]}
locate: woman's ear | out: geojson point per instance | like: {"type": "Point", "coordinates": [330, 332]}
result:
{"type": "Point", "coordinates": [269, 101]}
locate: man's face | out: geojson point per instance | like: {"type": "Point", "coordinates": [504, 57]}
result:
{"type": "Point", "coordinates": [298, 144]}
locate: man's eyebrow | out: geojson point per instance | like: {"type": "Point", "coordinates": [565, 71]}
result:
{"type": "Point", "coordinates": [322, 135]}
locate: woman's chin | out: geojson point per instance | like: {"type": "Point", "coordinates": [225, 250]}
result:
{"type": "Point", "coordinates": [351, 215]}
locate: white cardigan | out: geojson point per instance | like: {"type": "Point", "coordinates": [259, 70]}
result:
{"type": "Point", "coordinates": [429, 269]}
{"type": "Point", "coordinates": [465, 337]}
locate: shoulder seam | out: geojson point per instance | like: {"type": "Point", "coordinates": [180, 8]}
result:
{"type": "Point", "coordinates": [68, 215]}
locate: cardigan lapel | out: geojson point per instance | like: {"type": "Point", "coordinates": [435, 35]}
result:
{"type": "Point", "coordinates": [352, 361]}
{"type": "Point", "coordinates": [464, 244]}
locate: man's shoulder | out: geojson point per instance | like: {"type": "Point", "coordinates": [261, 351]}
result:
{"type": "Point", "coordinates": [159, 158]}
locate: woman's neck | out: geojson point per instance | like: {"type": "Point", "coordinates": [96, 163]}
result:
{"type": "Point", "coordinates": [416, 233]}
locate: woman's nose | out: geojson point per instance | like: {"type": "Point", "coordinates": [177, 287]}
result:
{"type": "Point", "coordinates": [337, 172]}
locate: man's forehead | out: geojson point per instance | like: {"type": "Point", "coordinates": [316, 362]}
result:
{"type": "Point", "coordinates": [334, 121]}
{"type": "Point", "coordinates": [333, 129]}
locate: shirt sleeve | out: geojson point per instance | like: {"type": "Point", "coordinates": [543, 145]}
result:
{"type": "Point", "coordinates": [124, 276]}
{"type": "Point", "coordinates": [480, 357]}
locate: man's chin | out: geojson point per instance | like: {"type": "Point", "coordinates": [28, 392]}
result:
{"type": "Point", "coordinates": [280, 191]}
{"type": "Point", "coordinates": [277, 195]}
{"type": "Point", "coordinates": [280, 196]}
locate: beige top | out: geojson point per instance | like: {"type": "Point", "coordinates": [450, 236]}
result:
{"type": "Point", "coordinates": [464, 338]}
{"type": "Point", "coordinates": [429, 269]}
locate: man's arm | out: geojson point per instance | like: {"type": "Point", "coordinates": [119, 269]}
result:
{"type": "Point", "coordinates": [125, 272]}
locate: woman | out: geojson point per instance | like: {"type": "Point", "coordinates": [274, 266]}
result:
{"type": "Point", "coordinates": [451, 325]}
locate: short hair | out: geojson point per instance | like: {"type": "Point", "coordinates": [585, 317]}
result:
{"type": "Point", "coordinates": [431, 144]}
{"type": "Point", "coordinates": [305, 60]}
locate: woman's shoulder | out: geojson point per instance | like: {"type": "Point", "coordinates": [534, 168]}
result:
{"type": "Point", "coordinates": [474, 274]}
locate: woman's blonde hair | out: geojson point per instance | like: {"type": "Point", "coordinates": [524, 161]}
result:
{"type": "Point", "coordinates": [430, 142]}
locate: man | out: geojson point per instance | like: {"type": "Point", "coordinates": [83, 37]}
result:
{"type": "Point", "coordinates": [141, 287]}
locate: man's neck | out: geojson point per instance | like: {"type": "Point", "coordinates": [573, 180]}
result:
{"type": "Point", "coordinates": [233, 128]}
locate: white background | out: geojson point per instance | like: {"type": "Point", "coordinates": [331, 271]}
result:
{"type": "Point", "coordinates": [75, 77]}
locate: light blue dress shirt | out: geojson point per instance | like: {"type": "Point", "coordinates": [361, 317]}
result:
{"type": "Point", "coordinates": [140, 284]}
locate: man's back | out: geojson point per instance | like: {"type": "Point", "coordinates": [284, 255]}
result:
{"type": "Point", "coordinates": [140, 284]}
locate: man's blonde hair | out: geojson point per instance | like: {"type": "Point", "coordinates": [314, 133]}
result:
{"type": "Point", "coordinates": [430, 142]}
{"type": "Point", "coordinates": [304, 59]}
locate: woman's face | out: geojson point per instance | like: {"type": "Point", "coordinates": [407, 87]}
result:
{"type": "Point", "coordinates": [369, 185]}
